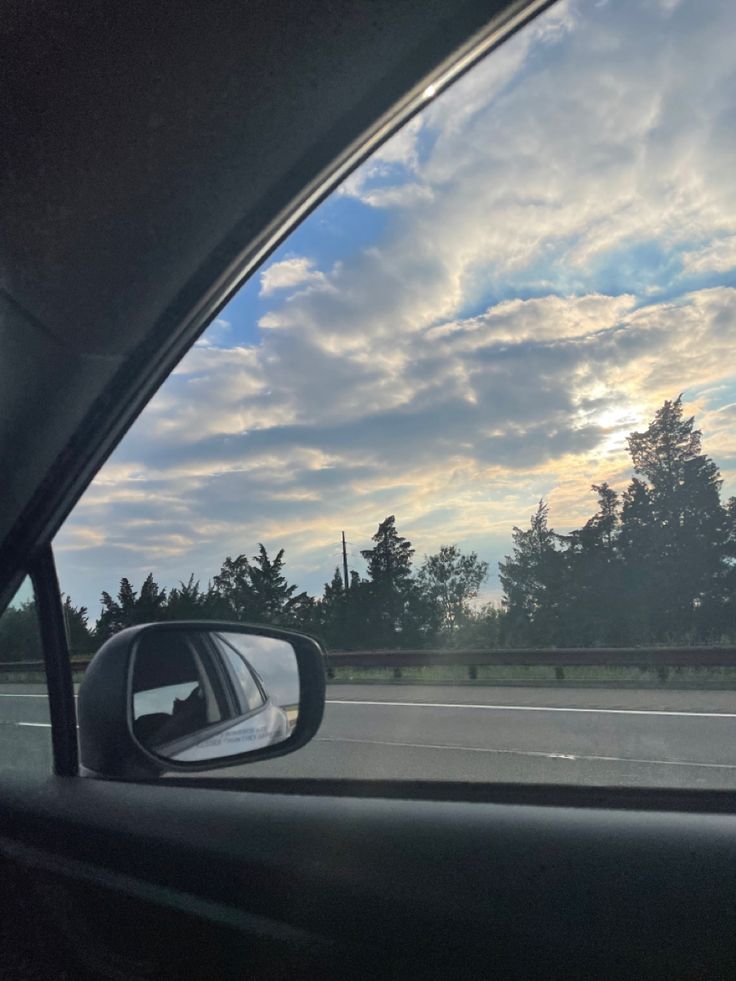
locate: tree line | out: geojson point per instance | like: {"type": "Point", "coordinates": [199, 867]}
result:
{"type": "Point", "coordinates": [392, 606]}
{"type": "Point", "coordinates": [655, 564]}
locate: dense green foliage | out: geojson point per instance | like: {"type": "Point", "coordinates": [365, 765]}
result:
{"type": "Point", "coordinates": [19, 636]}
{"type": "Point", "coordinates": [654, 564]}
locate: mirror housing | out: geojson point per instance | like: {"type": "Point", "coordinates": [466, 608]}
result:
{"type": "Point", "coordinates": [108, 745]}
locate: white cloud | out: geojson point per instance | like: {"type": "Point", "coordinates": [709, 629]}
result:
{"type": "Point", "coordinates": [576, 142]}
{"type": "Point", "coordinates": [607, 141]}
{"type": "Point", "coordinates": [718, 256]}
{"type": "Point", "coordinates": [538, 319]}
{"type": "Point", "coordinates": [397, 157]}
{"type": "Point", "coordinates": [288, 274]}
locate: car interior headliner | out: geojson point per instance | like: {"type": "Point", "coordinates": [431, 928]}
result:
{"type": "Point", "coordinates": [149, 156]}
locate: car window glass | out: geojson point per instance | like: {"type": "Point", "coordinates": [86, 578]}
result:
{"type": "Point", "coordinates": [249, 692]}
{"type": "Point", "coordinates": [472, 426]}
{"type": "Point", "coordinates": [160, 699]}
{"type": "Point", "coordinates": [25, 728]}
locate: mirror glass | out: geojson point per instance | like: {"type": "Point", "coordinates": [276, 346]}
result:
{"type": "Point", "coordinates": [199, 695]}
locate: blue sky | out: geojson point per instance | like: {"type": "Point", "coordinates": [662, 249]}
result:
{"type": "Point", "coordinates": [474, 320]}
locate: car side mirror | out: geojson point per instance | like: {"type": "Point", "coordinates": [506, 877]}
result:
{"type": "Point", "coordinates": [189, 696]}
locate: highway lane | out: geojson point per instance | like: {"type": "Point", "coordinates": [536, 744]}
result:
{"type": "Point", "coordinates": [23, 703]}
{"type": "Point", "coordinates": [25, 736]}
{"type": "Point", "coordinates": [589, 736]}
{"type": "Point", "coordinates": [580, 736]}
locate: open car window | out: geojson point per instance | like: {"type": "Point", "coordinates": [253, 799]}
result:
{"type": "Point", "coordinates": [25, 724]}
{"type": "Point", "coordinates": [472, 426]}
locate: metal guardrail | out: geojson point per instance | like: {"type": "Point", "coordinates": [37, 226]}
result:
{"type": "Point", "coordinates": [9, 667]}
{"type": "Point", "coordinates": [638, 657]}
{"type": "Point", "coordinates": [652, 658]}
{"type": "Point", "coordinates": [660, 660]}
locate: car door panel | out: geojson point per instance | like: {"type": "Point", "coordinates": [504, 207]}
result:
{"type": "Point", "coordinates": [396, 887]}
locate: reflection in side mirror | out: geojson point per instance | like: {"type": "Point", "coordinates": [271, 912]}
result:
{"type": "Point", "coordinates": [201, 695]}
{"type": "Point", "coordinates": [196, 696]}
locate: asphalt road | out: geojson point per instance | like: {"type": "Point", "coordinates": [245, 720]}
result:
{"type": "Point", "coordinates": [25, 736]}
{"type": "Point", "coordinates": [583, 736]}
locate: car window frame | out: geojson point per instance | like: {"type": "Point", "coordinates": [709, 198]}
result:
{"type": "Point", "coordinates": [57, 663]}
{"type": "Point", "coordinates": [230, 670]}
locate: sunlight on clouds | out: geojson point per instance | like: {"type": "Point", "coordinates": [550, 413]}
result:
{"type": "Point", "coordinates": [167, 546]}
{"type": "Point", "coordinates": [81, 538]}
{"type": "Point", "coordinates": [718, 256]}
{"type": "Point", "coordinates": [542, 318]}
{"type": "Point", "coordinates": [297, 271]}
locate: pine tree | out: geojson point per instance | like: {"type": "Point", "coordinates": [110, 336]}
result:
{"type": "Point", "coordinates": [76, 623]}
{"type": "Point", "coordinates": [258, 591]}
{"type": "Point", "coordinates": [391, 595]}
{"type": "Point", "coordinates": [273, 597]}
{"type": "Point", "coordinates": [116, 614]}
{"type": "Point", "coordinates": [333, 612]}
{"type": "Point", "coordinates": [591, 611]}
{"type": "Point", "coordinates": [129, 608]}
{"type": "Point", "coordinates": [389, 561]}
{"type": "Point", "coordinates": [359, 631]}
{"type": "Point", "coordinates": [151, 602]}
{"type": "Point", "coordinates": [233, 589]}
{"type": "Point", "coordinates": [532, 582]}
{"type": "Point", "coordinates": [188, 602]}
{"type": "Point", "coordinates": [681, 524]}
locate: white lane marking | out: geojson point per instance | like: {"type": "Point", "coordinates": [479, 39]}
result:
{"type": "Point", "coordinates": [14, 722]}
{"type": "Point", "coordinates": [529, 752]}
{"type": "Point", "coordinates": [537, 708]}
{"type": "Point", "coordinates": [496, 708]}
